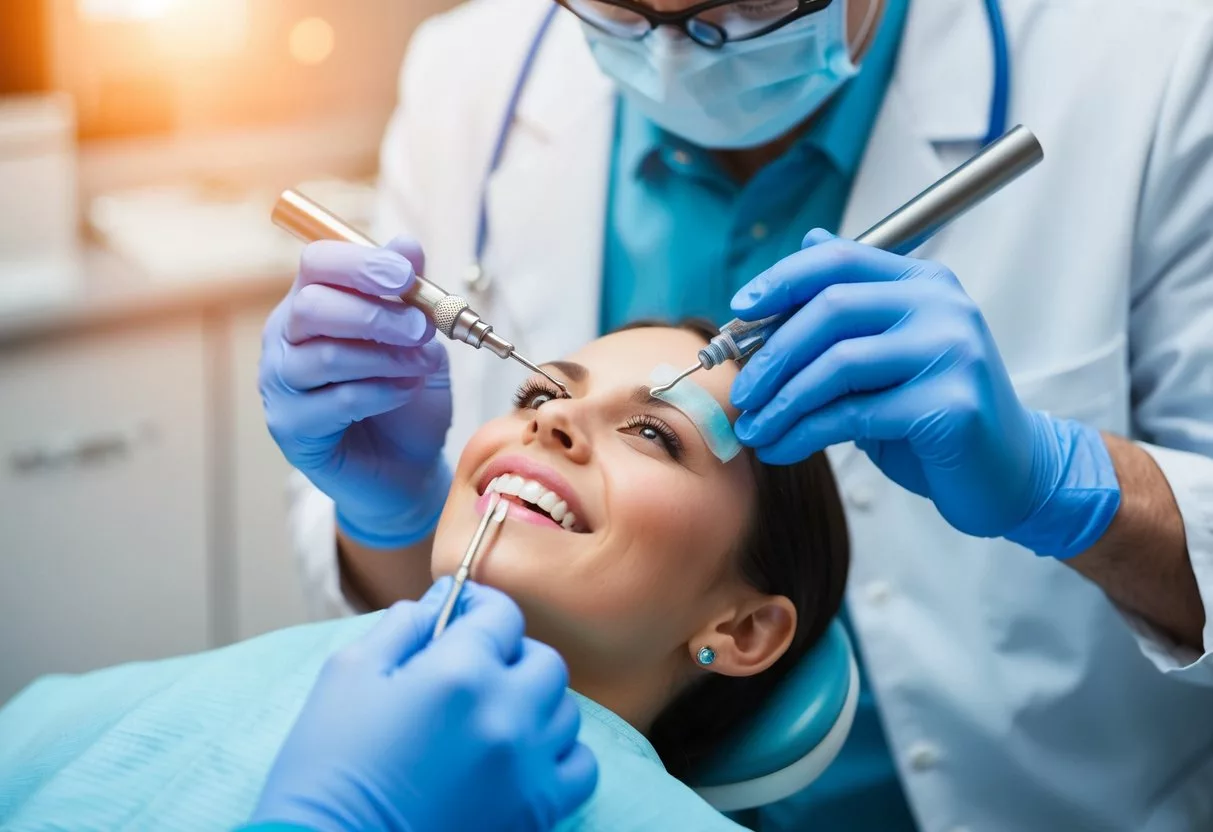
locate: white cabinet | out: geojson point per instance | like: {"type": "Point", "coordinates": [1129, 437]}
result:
{"type": "Point", "coordinates": [105, 457]}
{"type": "Point", "coordinates": [266, 582]}
{"type": "Point", "coordinates": [143, 507]}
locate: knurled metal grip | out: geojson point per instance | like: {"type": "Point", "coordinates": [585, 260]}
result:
{"type": "Point", "coordinates": [446, 313]}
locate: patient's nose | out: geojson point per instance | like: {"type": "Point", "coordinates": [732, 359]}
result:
{"type": "Point", "coordinates": [552, 428]}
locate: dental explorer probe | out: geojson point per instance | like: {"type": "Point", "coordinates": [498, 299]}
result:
{"type": "Point", "coordinates": [494, 513]}
{"type": "Point", "coordinates": [901, 232]}
{"type": "Point", "coordinates": [450, 314]}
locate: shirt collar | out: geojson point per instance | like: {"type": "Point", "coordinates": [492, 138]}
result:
{"type": "Point", "coordinates": [641, 142]}
{"type": "Point", "coordinates": [840, 133]}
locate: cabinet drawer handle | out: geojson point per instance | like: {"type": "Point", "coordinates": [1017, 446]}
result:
{"type": "Point", "coordinates": [80, 451]}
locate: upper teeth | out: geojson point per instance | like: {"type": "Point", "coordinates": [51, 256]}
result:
{"type": "Point", "coordinates": [537, 494]}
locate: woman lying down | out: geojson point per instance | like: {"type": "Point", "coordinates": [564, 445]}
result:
{"type": "Point", "coordinates": [678, 588]}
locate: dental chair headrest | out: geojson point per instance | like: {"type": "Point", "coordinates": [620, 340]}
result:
{"type": "Point", "coordinates": [785, 747]}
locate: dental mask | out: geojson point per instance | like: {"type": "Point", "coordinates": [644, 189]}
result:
{"type": "Point", "coordinates": [742, 95]}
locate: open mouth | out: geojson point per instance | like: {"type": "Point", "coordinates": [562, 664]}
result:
{"type": "Point", "coordinates": [537, 498]}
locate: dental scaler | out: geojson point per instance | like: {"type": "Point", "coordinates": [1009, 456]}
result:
{"type": "Point", "coordinates": [451, 315]}
{"type": "Point", "coordinates": [901, 232]}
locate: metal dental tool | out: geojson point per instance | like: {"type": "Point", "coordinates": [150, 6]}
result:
{"type": "Point", "coordinates": [450, 314]}
{"type": "Point", "coordinates": [494, 513]}
{"type": "Point", "coordinates": [901, 232]}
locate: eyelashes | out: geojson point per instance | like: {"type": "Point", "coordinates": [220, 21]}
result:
{"type": "Point", "coordinates": [653, 429]}
{"type": "Point", "coordinates": [534, 393]}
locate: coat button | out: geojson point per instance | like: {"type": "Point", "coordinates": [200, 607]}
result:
{"type": "Point", "coordinates": [878, 593]}
{"type": "Point", "coordinates": [861, 498]}
{"type": "Point", "coordinates": [923, 756]}
{"type": "Point", "coordinates": [682, 158]}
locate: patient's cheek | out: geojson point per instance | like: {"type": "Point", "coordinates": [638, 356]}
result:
{"type": "Point", "coordinates": [444, 559]}
{"type": "Point", "coordinates": [459, 518]}
{"type": "Point", "coordinates": [483, 445]}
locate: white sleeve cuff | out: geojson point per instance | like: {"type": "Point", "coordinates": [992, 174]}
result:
{"type": "Point", "coordinates": [313, 526]}
{"type": "Point", "coordinates": [1191, 478]}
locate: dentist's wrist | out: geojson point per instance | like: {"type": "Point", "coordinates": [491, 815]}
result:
{"type": "Point", "coordinates": [413, 523]}
{"type": "Point", "coordinates": [1082, 494]}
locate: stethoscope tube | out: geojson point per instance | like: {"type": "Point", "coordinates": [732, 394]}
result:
{"type": "Point", "coordinates": [476, 280]}
{"type": "Point", "coordinates": [1000, 98]}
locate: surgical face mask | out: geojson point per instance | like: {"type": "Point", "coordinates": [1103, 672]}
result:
{"type": "Point", "coordinates": [744, 94]}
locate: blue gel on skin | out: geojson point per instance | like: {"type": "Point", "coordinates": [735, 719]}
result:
{"type": "Point", "coordinates": [698, 406]}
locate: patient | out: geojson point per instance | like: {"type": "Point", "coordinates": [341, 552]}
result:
{"type": "Point", "coordinates": [668, 551]}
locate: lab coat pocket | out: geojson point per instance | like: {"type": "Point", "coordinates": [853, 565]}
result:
{"type": "Point", "coordinates": [1092, 388]}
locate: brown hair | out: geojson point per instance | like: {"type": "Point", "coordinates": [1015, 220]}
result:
{"type": "Point", "coordinates": [796, 546]}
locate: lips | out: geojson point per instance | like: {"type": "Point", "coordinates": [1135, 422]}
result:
{"type": "Point", "coordinates": [536, 490]}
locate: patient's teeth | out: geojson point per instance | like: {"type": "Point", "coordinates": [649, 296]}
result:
{"type": "Point", "coordinates": [531, 491]}
{"type": "Point", "coordinates": [535, 493]}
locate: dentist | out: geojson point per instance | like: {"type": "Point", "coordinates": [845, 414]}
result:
{"type": "Point", "coordinates": [1023, 436]}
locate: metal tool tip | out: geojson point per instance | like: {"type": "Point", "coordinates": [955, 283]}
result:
{"type": "Point", "coordinates": [665, 388]}
{"type": "Point", "coordinates": [535, 368]}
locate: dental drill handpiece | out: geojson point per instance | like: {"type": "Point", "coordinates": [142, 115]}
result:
{"type": "Point", "coordinates": [450, 314]}
{"type": "Point", "coordinates": [901, 232]}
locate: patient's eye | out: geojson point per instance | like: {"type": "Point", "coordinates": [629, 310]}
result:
{"type": "Point", "coordinates": [533, 394]}
{"type": "Point", "coordinates": [655, 430]}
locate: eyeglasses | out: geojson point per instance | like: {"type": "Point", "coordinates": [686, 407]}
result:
{"type": "Point", "coordinates": [711, 24]}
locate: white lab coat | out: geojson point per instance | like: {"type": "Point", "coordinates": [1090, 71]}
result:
{"type": "Point", "coordinates": [1015, 695]}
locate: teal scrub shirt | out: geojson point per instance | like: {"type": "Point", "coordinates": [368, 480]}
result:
{"type": "Point", "coordinates": [682, 237]}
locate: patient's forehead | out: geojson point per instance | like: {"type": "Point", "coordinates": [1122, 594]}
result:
{"type": "Point", "coordinates": [625, 360]}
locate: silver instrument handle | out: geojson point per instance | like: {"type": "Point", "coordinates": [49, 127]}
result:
{"type": "Point", "coordinates": [999, 164]}
{"type": "Point", "coordinates": [450, 314]}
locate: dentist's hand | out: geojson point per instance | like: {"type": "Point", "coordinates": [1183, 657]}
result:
{"type": "Point", "coordinates": [889, 352]}
{"type": "Point", "coordinates": [357, 393]}
{"type": "Point", "coordinates": [474, 731]}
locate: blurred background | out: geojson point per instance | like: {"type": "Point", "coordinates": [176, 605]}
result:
{"type": "Point", "coordinates": [142, 142]}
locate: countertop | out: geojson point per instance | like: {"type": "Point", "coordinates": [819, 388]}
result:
{"type": "Point", "coordinates": [113, 292]}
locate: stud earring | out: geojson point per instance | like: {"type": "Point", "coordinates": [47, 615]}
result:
{"type": "Point", "coordinates": [705, 656]}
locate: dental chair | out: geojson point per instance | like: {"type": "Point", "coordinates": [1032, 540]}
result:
{"type": "Point", "coordinates": [781, 750]}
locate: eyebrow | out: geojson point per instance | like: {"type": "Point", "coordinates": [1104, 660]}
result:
{"type": "Point", "coordinates": [572, 370]}
{"type": "Point", "coordinates": [643, 395]}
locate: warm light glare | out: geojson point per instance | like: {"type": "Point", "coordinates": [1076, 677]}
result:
{"type": "Point", "coordinates": [312, 41]}
{"type": "Point", "coordinates": [182, 30]}
{"type": "Point", "coordinates": [101, 10]}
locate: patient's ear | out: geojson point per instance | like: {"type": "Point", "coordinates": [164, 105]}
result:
{"type": "Point", "coordinates": [749, 638]}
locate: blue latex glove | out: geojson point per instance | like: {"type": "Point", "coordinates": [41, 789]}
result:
{"type": "Point", "coordinates": [475, 731]}
{"type": "Point", "coordinates": [357, 393]}
{"type": "Point", "coordinates": [889, 352]}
